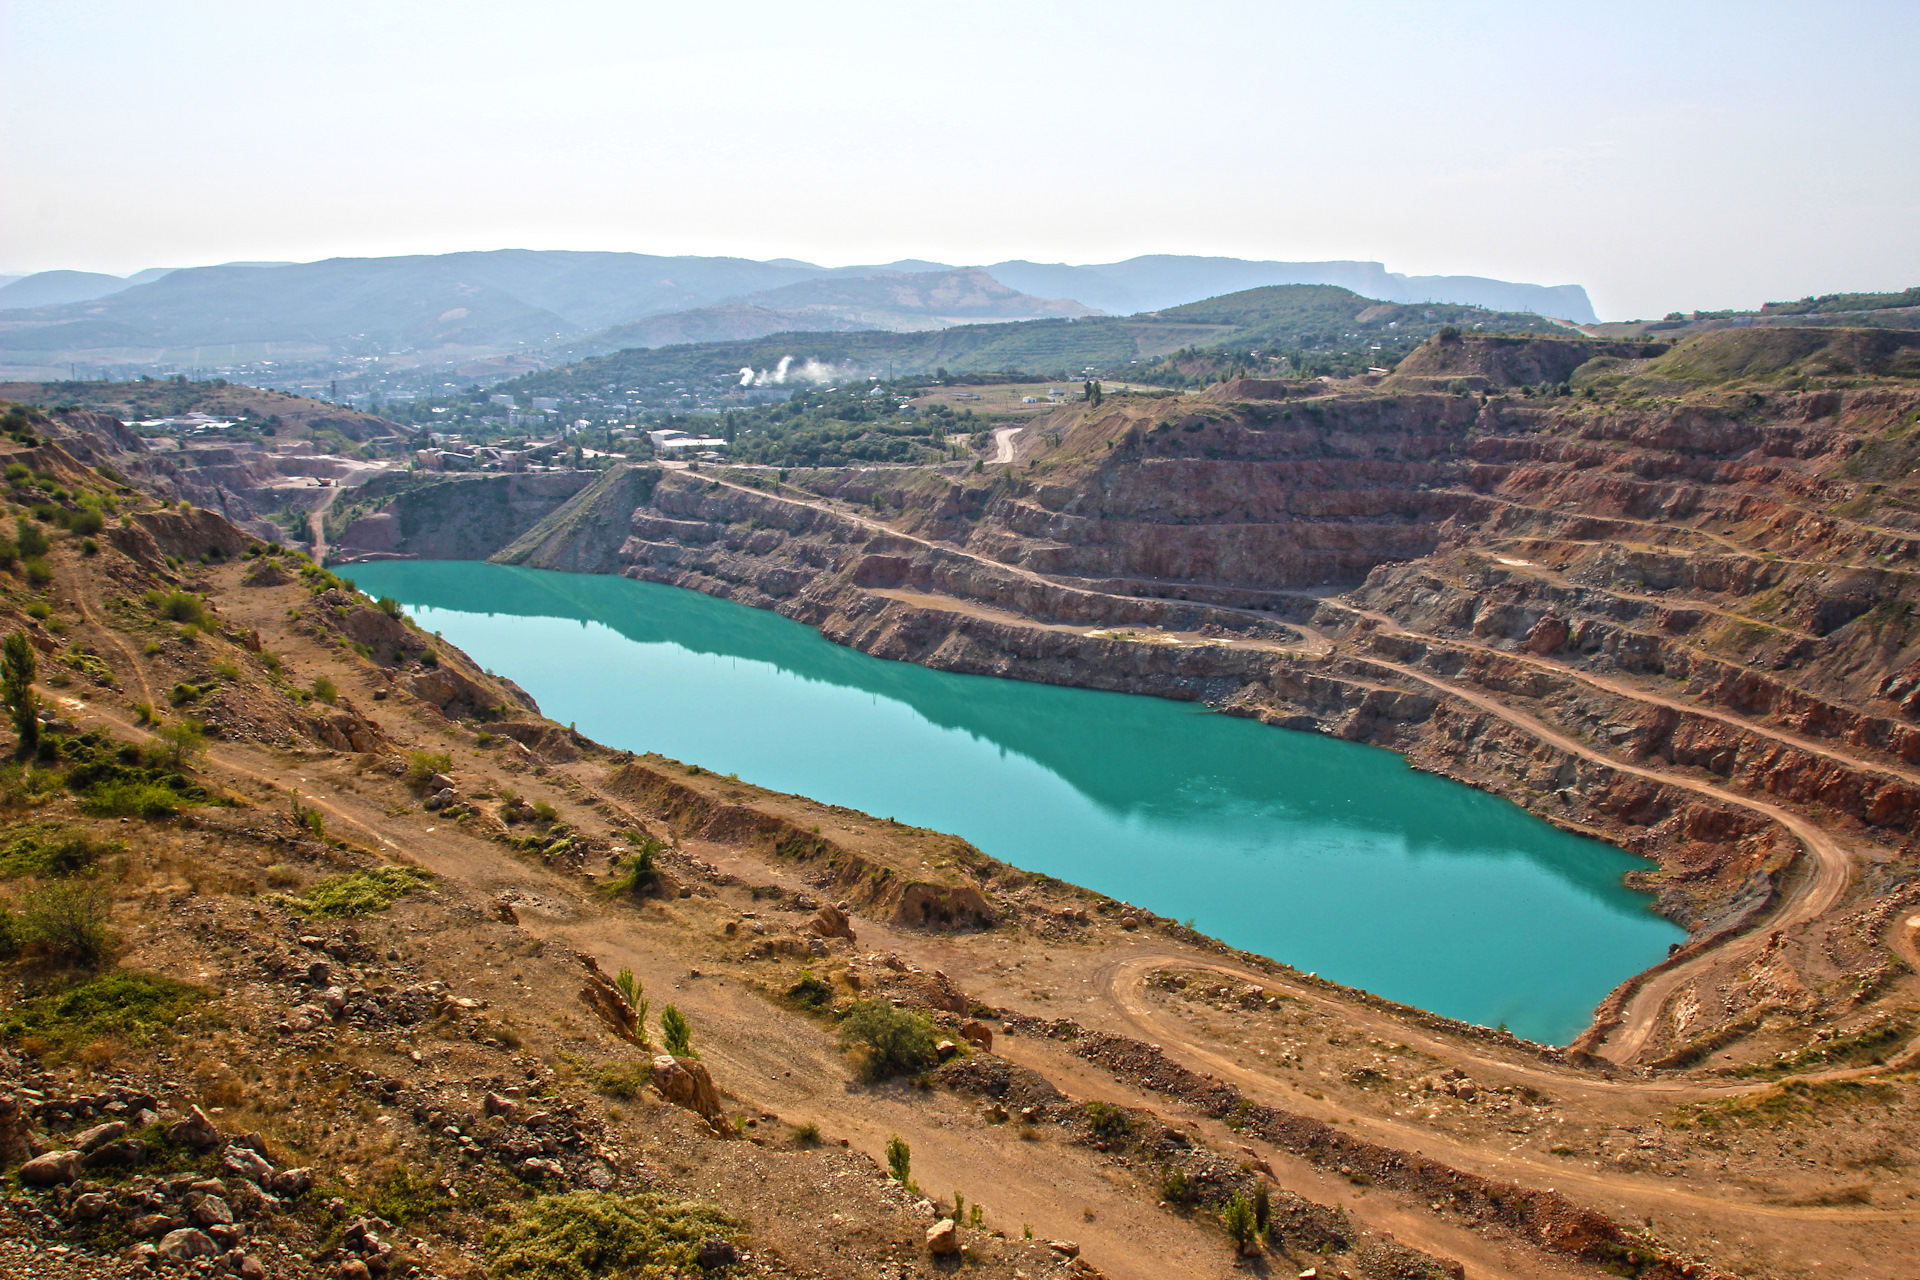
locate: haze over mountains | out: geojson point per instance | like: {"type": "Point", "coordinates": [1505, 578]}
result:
{"type": "Point", "coordinates": [445, 315]}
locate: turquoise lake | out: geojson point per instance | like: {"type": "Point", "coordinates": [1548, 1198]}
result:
{"type": "Point", "coordinates": [1331, 856]}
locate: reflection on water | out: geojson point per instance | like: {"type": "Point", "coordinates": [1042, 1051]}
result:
{"type": "Point", "coordinates": [1328, 855]}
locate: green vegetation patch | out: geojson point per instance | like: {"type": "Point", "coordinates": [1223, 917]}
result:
{"type": "Point", "coordinates": [584, 1235]}
{"type": "Point", "coordinates": [1869, 1045]}
{"type": "Point", "coordinates": [52, 852]}
{"type": "Point", "coordinates": [360, 893]}
{"type": "Point", "coordinates": [1792, 1101]}
{"type": "Point", "coordinates": [125, 1005]}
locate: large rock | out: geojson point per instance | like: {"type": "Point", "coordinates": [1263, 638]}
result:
{"type": "Point", "coordinates": [247, 1163]}
{"type": "Point", "coordinates": [51, 1169]}
{"type": "Point", "coordinates": [685, 1083]}
{"type": "Point", "coordinates": [943, 1238]}
{"type": "Point", "coordinates": [101, 1134]}
{"type": "Point", "coordinates": [187, 1243]}
{"type": "Point", "coordinates": [831, 922]}
{"type": "Point", "coordinates": [977, 1033]}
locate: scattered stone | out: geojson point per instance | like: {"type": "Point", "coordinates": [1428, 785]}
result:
{"type": "Point", "coordinates": [505, 912]}
{"type": "Point", "coordinates": [495, 1105]}
{"type": "Point", "coordinates": [195, 1130]}
{"type": "Point", "coordinates": [352, 1269]}
{"type": "Point", "coordinates": [246, 1162]}
{"type": "Point", "coordinates": [716, 1253]}
{"type": "Point", "coordinates": [292, 1182]}
{"type": "Point", "coordinates": [148, 1225]}
{"type": "Point", "coordinates": [1065, 1248]}
{"type": "Point", "coordinates": [212, 1211]}
{"type": "Point", "coordinates": [247, 1267]}
{"type": "Point", "coordinates": [538, 1168]}
{"type": "Point", "coordinates": [945, 1049]}
{"type": "Point", "coordinates": [943, 1238]}
{"type": "Point", "coordinates": [90, 1207]}
{"type": "Point", "coordinates": [976, 1032]}
{"type": "Point", "coordinates": [101, 1134]}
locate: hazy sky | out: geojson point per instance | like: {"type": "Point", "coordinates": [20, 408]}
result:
{"type": "Point", "coordinates": [1665, 155]}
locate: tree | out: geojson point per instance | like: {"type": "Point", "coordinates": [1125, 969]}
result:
{"type": "Point", "coordinates": [676, 1034]}
{"type": "Point", "coordinates": [900, 1160]}
{"type": "Point", "coordinates": [18, 669]}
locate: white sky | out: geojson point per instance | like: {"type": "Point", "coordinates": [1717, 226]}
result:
{"type": "Point", "coordinates": [1666, 155]}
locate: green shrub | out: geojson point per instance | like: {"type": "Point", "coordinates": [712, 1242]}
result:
{"type": "Point", "coordinates": [30, 538]}
{"type": "Point", "coordinates": [361, 892]}
{"type": "Point", "coordinates": [1175, 1186]}
{"type": "Point", "coordinates": [325, 690]}
{"type": "Point", "coordinates": [585, 1235]}
{"type": "Point", "coordinates": [900, 1160]}
{"type": "Point", "coordinates": [389, 606]}
{"type": "Point", "coordinates": [9, 552]}
{"type": "Point", "coordinates": [18, 473]}
{"type": "Point", "coordinates": [85, 523]}
{"type": "Point", "coordinates": [183, 739]}
{"type": "Point", "coordinates": [638, 873]}
{"type": "Point", "coordinates": [126, 1005]}
{"type": "Point", "coordinates": [888, 1041]}
{"type": "Point", "coordinates": [39, 572]}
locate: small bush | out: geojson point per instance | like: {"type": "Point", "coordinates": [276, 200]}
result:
{"type": "Point", "coordinates": [362, 892]}
{"type": "Point", "coordinates": [584, 1235]}
{"type": "Point", "coordinates": [183, 739]}
{"type": "Point", "coordinates": [67, 920]}
{"type": "Point", "coordinates": [422, 765]}
{"type": "Point", "coordinates": [30, 538]}
{"type": "Point", "coordinates": [543, 811]}
{"type": "Point", "coordinates": [325, 690]}
{"type": "Point", "coordinates": [810, 991]}
{"type": "Point", "coordinates": [1175, 1186]}
{"type": "Point", "coordinates": [623, 1080]}
{"type": "Point", "coordinates": [389, 606]}
{"type": "Point", "coordinates": [888, 1041]}
{"type": "Point", "coordinates": [177, 606]}
{"type": "Point", "coordinates": [1107, 1122]}
{"type": "Point", "coordinates": [86, 522]}
{"type": "Point", "coordinates": [806, 1134]}
{"type": "Point", "coordinates": [39, 572]}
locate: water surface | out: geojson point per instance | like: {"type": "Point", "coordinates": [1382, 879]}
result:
{"type": "Point", "coordinates": [1329, 855]}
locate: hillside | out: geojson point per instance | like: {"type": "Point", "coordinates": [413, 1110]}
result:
{"type": "Point", "coordinates": [1311, 326]}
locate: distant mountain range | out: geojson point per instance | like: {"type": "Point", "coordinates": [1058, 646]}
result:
{"type": "Point", "coordinates": [447, 308]}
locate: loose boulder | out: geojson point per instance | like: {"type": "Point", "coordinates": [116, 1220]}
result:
{"type": "Point", "coordinates": [52, 1169]}
{"type": "Point", "coordinates": [831, 922]}
{"type": "Point", "coordinates": [943, 1238]}
{"type": "Point", "coordinates": [186, 1244]}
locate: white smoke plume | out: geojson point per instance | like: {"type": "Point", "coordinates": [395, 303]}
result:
{"type": "Point", "coordinates": [809, 371]}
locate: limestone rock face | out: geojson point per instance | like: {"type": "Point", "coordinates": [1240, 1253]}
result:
{"type": "Point", "coordinates": [685, 1083]}
{"type": "Point", "coordinates": [831, 922]}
